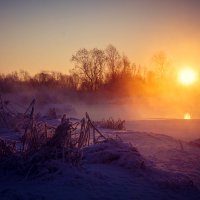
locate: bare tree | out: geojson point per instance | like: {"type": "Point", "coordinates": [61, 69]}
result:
{"type": "Point", "coordinates": [24, 76]}
{"type": "Point", "coordinates": [113, 59]}
{"type": "Point", "coordinates": [89, 65]}
{"type": "Point", "coordinates": [127, 68]}
{"type": "Point", "coordinates": [161, 63]}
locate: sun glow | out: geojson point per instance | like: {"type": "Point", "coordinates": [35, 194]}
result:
{"type": "Point", "coordinates": [187, 116]}
{"type": "Point", "coordinates": [187, 76]}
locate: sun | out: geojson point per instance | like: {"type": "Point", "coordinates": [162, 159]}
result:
{"type": "Point", "coordinates": [187, 76]}
{"type": "Point", "coordinates": [187, 116]}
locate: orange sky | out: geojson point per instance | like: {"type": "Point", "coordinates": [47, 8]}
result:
{"type": "Point", "coordinates": [43, 35]}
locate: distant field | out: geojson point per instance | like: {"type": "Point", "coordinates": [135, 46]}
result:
{"type": "Point", "coordinates": [178, 128]}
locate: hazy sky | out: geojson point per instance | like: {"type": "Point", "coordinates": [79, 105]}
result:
{"type": "Point", "coordinates": [43, 34]}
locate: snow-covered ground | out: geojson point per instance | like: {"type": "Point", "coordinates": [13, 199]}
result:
{"type": "Point", "coordinates": [178, 128]}
{"type": "Point", "coordinates": [159, 167]}
{"type": "Point", "coordinates": [166, 153]}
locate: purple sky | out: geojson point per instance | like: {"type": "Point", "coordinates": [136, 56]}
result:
{"type": "Point", "coordinates": [43, 34]}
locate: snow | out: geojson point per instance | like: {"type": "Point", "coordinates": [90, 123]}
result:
{"type": "Point", "coordinates": [167, 153]}
{"type": "Point", "coordinates": [140, 165]}
{"type": "Point", "coordinates": [7, 134]}
{"type": "Point", "coordinates": [178, 128]}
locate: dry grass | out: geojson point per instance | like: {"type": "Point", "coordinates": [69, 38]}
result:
{"type": "Point", "coordinates": [37, 147]}
{"type": "Point", "coordinates": [112, 124]}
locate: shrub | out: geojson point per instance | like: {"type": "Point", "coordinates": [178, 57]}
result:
{"type": "Point", "coordinates": [112, 124]}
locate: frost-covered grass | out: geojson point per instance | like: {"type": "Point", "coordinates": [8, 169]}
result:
{"type": "Point", "coordinates": [134, 165]}
{"type": "Point", "coordinates": [109, 170]}
{"type": "Point", "coordinates": [110, 123]}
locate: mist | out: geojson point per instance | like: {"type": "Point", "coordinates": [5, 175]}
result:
{"type": "Point", "coordinates": [164, 115]}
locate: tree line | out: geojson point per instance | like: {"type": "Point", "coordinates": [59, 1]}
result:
{"type": "Point", "coordinates": [94, 71]}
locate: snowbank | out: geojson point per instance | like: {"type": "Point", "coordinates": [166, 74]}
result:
{"type": "Point", "coordinates": [115, 152]}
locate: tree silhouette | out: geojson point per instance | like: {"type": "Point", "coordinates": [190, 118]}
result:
{"type": "Point", "coordinates": [161, 63]}
{"type": "Point", "coordinates": [89, 65]}
{"type": "Point", "coordinates": [113, 60]}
